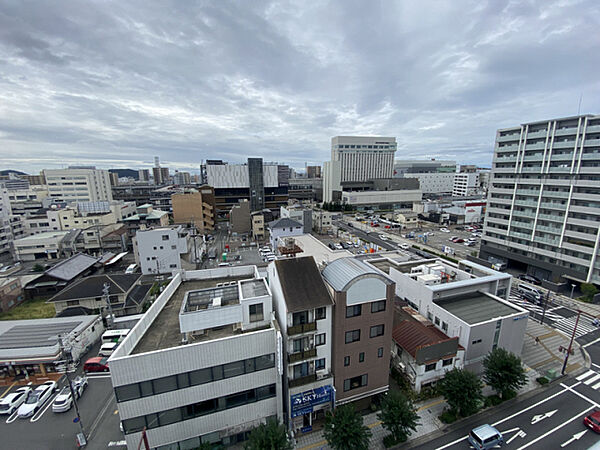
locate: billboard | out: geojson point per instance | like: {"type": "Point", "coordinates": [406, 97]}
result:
{"type": "Point", "coordinates": [304, 402]}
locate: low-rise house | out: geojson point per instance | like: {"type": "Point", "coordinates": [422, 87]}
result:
{"type": "Point", "coordinates": [126, 294]}
{"type": "Point", "coordinates": [146, 217]}
{"type": "Point", "coordinates": [47, 245]}
{"type": "Point", "coordinates": [423, 352]}
{"type": "Point", "coordinates": [11, 293]}
{"type": "Point", "coordinates": [283, 228]}
{"type": "Point", "coordinates": [160, 250]}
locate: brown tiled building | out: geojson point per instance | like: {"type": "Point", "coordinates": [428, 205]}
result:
{"type": "Point", "coordinates": [362, 328]}
{"type": "Point", "coordinates": [195, 206]}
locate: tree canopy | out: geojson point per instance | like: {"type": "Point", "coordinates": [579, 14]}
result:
{"type": "Point", "coordinates": [269, 436]}
{"type": "Point", "coordinates": [504, 372]}
{"type": "Point", "coordinates": [344, 429]}
{"type": "Point", "coordinates": [462, 391]}
{"type": "Point", "coordinates": [398, 416]}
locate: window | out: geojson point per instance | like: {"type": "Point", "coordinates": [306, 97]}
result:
{"type": "Point", "coordinates": [320, 339]}
{"type": "Point", "coordinates": [430, 367]}
{"type": "Point", "coordinates": [320, 364]}
{"type": "Point", "coordinates": [173, 266]}
{"type": "Point", "coordinates": [72, 302]}
{"type": "Point", "coordinates": [320, 313]}
{"type": "Point", "coordinates": [300, 370]}
{"type": "Point", "coordinates": [346, 361]}
{"type": "Point", "coordinates": [437, 321]}
{"type": "Point", "coordinates": [447, 362]}
{"type": "Point", "coordinates": [352, 336]}
{"type": "Point", "coordinates": [477, 341]}
{"type": "Point", "coordinates": [233, 369]}
{"type": "Point", "coordinates": [380, 352]}
{"type": "Point", "coordinates": [300, 318]}
{"type": "Point", "coordinates": [378, 306]}
{"type": "Point", "coordinates": [444, 327]}
{"type": "Point", "coordinates": [165, 237]}
{"type": "Point", "coordinates": [353, 311]}
{"type": "Point", "coordinates": [201, 376]}
{"type": "Point", "coordinates": [173, 247]}
{"type": "Point", "coordinates": [361, 357]}
{"type": "Point", "coordinates": [355, 382]}
{"type": "Point", "coordinates": [256, 312]}
{"type": "Point", "coordinates": [164, 384]}
{"type": "Point", "coordinates": [429, 316]}
{"type": "Point", "coordinates": [377, 330]}
{"type": "Point", "coordinates": [300, 344]}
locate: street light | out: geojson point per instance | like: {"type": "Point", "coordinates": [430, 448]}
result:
{"type": "Point", "coordinates": [572, 289]}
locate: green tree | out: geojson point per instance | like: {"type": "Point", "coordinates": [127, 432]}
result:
{"type": "Point", "coordinates": [588, 290]}
{"type": "Point", "coordinates": [398, 415]}
{"type": "Point", "coordinates": [271, 436]}
{"type": "Point", "coordinates": [344, 429]}
{"type": "Point", "coordinates": [462, 391]}
{"type": "Point", "coordinates": [38, 268]}
{"type": "Point", "coordinates": [504, 372]}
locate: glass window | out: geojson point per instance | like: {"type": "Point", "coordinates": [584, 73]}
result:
{"type": "Point", "coordinates": [164, 384]}
{"type": "Point", "coordinates": [146, 388]}
{"type": "Point", "coordinates": [233, 369]}
{"type": "Point", "coordinates": [128, 392]}
{"type": "Point", "coordinates": [352, 336]}
{"type": "Point", "coordinates": [300, 370]}
{"type": "Point", "coordinates": [430, 367]}
{"type": "Point", "coordinates": [170, 416]}
{"type": "Point", "coordinates": [152, 420]}
{"type": "Point", "coordinates": [320, 364]}
{"type": "Point", "coordinates": [183, 380]}
{"type": "Point", "coordinates": [265, 392]}
{"type": "Point", "coordinates": [361, 357]}
{"type": "Point", "coordinates": [199, 409]}
{"type": "Point", "coordinates": [320, 313]}
{"type": "Point", "coordinates": [377, 330]}
{"type": "Point", "coordinates": [201, 376]}
{"type": "Point", "coordinates": [249, 365]}
{"type": "Point", "coordinates": [444, 327]}
{"type": "Point", "coordinates": [447, 362]}
{"type": "Point", "coordinates": [353, 311]}
{"type": "Point", "coordinates": [378, 306]}
{"type": "Point", "coordinates": [346, 360]}
{"type": "Point", "coordinates": [355, 382]}
{"type": "Point", "coordinates": [265, 361]}
{"type": "Point", "coordinates": [437, 321]}
{"type": "Point", "coordinates": [300, 318]}
{"type": "Point", "coordinates": [320, 339]}
{"type": "Point", "coordinates": [217, 373]}
{"type": "Point", "coordinates": [256, 312]}
{"type": "Point", "coordinates": [134, 425]}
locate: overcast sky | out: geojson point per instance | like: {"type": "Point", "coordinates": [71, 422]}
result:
{"type": "Point", "coordinates": [116, 83]}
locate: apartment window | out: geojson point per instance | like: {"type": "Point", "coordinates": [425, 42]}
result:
{"type": "Point", "coordinates": [378, 306]}
{"type": "Point", "coordinates": [353, 311]}
{"type": "Point", "coordinates": [430, 367]}
{"type": "Point", "coordinates": [256, 312]}
{"type": "Point", "coordinates": [444, 327]}
{"type": "Point", "coordinates": [477, 341]}
{"type": "Point", "coordinates": [320, 339]}
{"type": "Point", "coordinates": [173, 266]}
{"type": "Point", "coordinates": [300, 318]}
{"type": "Point", "coordinates": [72, 302]}
{"type": "Point", "coordinates": [361, 357]}
{"type": "Point", "coordinates": [346, 361]}
{"type": "Point", "coordinates": [352, 336]}
{"type": "Point", "coordinates": [429, 316]}
{"type": "Point", "coordinates": [355, 382]}
{"type": "Point", "coordinates": [437, 321]}
{"type": "Point", "coordinates": [377, 330]}
{"type": "Point", "coordinates": [320, 364]}
{"type": "Point", "coordinates": [300, 344]}
{"type": "Point", "coordinates": [173, 247]}
{"type": "Point", "coordinates": [447, 362]}
{"type": "Point", "coordinates": [165, 237]}
{"type": "Point", "coordinates": [380, 352]}
{"type": "Point", "coordinates": [320, 313]}
{"type": "Point", "coordinates": [300, 370]}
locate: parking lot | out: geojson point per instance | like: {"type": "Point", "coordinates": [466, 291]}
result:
{"type": "Point", "coordinates": [440, 239]}
{"type": "Point", "coordinates": [49, 430]}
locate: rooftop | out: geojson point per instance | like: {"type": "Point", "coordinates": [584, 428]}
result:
{"type": "Point", "coordinates": [70, 268]}
{"type": "Point", "coordinates": [44, 235]}
{"type": "Point", "coordinates": [341, 272]}
{"type": "Point", "coordinates": [302, 284]}
{"type": "Point", "coordinates": [284, 223]}
{"type": "Point", "coordinates": [311, 246]}
{"type": "Point", "coordinates": [477, 307]}
{"type": "Point", "coordinates": [164, 332]}
{"type": "Point", "coordinates": [92, 286]}
{"type": "Point", "coordinates": [411, 335]}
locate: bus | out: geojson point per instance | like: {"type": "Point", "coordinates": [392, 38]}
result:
{"type": "Point", "coordinates": [114, 336]}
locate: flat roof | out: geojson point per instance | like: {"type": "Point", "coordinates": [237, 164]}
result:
{"type": "Point", "coordinates": [164, 332]}
{"type": "Point", "coordinates": [311, 246]}
{"type": "Point", "coordinates": [477, 307]}
{"type": "Point", "coordinates": [44, 235]}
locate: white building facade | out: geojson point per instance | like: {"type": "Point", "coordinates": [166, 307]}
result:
{"type": "Point", "coordinates": [160, 250]}
{"type": "Point", "coordinates": [79, 184]}
{"type": "Point", "coordinates": [465, 184]}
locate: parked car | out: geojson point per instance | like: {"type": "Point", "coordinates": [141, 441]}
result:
{"type": "Point", "coordinates": [452, 238]}
{"type": "Point", "coordinates": [592, 421]}
{"type": "Point", "coordinates": [404, 246]}
{"type": "Point", "coordinates": [12, 401]}
{"type": "Point", "coordinates": [64, 401]}
{"type": "Point", "coordinates": [96, 364]}
{"type": "Point", "coordinates": [458, 240]}
{"type": "Point", "coordinates": [344, 245]}
{"type": "Point", "coordinates": [444, 230]}
{"type": "Point", "coordinates": [470, 244]}
{"type": "Point", "coordinates": [36, 399]}
{"type": "Point", "coordinates": [526, 289]}
{"type": "Point", "coordinates": [530, 279]}
{"type": "Point", "coordinates": [331, 245]}
{"type": "Point", "coordinates": [107, 348]}
{"type": "Point", "coordinates": [79, 385]}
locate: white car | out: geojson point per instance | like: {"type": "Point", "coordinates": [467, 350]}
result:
{"type": "Point", "coordinates": [404, 246]}
{"type": "Point", "coordinates": [107, 348]}
{"type": "Point", "coordinates": [383, 237]}
{"type": "Point", "coordinates": [452, 238]}
{"type": "Point", "coordinates": [63, 401]}
{"type": "Point", "coordinates": [444, 230]}
{"type": "Point", "coordinates": [12, 401]}
{"type": "Point", "coordinates": [356, 245]}
{"type": "Point", "coordinates": [36, 399]}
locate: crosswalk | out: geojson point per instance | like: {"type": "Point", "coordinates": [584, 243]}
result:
{"type": "Point", "coordinates": [590, 378]}
{"type": "Point", "coordinates": [535, 308]}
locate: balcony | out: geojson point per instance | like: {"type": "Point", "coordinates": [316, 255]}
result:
{"type": "Point", "coordinates": [588, 156]}
{"type": "Point", "coordinates": [304, 328]}
{"type": "Point", "coordinates": [556, 194]}
{"type": "Point", "coordinates": [532, 169]}
{"type": "Point", "coordinates": [303, 380]}
{"type": "Point", "coordinates": [526, 203]}
{"type": "Point", "coordinates": [552, 217]}
{"type": "Point", "coordinates": [560, 169]}
{"type": "Point", "coordinates": [300, 356]}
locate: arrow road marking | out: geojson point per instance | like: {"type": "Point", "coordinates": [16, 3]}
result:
{"type": "Point", "coordinates": [575, 437]}
{"type": "Point", "coordinates": [541, 417]}
{"type": "Point", "coordinates": [520, 434]}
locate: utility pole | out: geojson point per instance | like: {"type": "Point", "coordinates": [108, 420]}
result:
{"type": "Point", "coordinates": [106, 295]}
{"type": "Point", "coordinates": [545, 306]}
{"type": "Point", "coordinates": [571, 343]}
{"type": "Point", "coordinates": [68, 358]}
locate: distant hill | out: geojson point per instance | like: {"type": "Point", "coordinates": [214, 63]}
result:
{"type": "Point", "coordinates": [125, 173]}
{"type": "Point", "coordinates": [8, 171]}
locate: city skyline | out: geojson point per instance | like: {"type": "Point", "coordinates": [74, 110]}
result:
{"type": "Point", "coordinates": [115, 84]}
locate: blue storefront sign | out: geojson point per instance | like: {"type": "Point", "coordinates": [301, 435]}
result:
{"type": "Point", "coordinates": [305, 402]}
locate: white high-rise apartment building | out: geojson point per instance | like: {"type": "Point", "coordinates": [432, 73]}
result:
{"type": "Point", "coordinates": [85, 184]}
{"type": "Point", "coordinates": [465, 184]}
{"type": "Point", "coordinates": [357, 158]}
{"type": "Point", "coordinates": [543, 204]}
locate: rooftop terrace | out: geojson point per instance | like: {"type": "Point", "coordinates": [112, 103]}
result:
{"type": "Point", "coordinates": [477, 307]}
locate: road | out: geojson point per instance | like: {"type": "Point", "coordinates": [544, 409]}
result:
{"type": "Point", "coordinates": [550, 419]}
{"type": "Point", "coordinates": [367, 236]}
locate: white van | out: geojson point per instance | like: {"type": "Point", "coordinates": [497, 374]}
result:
{"type": "Point", "coordinates": [131, 268]}
{"type": "Point", "coordinates": [115, 336]}
{"type": "Point", "coordinates": [526, 289]}
{"type": "Point", "coordinates": [107, 348]}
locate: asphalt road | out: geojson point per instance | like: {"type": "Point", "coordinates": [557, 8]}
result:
{"type": "Point", "coordinates": [547, 420]}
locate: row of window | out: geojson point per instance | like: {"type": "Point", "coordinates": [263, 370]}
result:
{"type": "Point", "coordinates": [361, 356]}
{"type": "Point", "coordinates": [356, 310]}
{"type": "Point", "coordinates": [193, 378]}
{"type": "Point", "coordinates": [354, 335]}
{"type": "Point", "coordinates": [199, 409]}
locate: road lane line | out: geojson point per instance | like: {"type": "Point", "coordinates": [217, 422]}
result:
{"type": "Point", "coordinates": [8, 389]}
{"type": "Point", "coordinates": [40, 414]}
{"type": "Point", "coordinates": [99, 417]}
{"type": "Point", "coordinates": [591, 380]}
{"type": "Point", "coordinates": [539, 438]}
{"type": "Point", "coordinates": [580, 395]}
{"type": "Point", "coordinates": [585, 375]}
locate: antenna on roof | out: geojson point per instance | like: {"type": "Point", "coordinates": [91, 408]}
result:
{"type": "Point", "coordinates": [579, 106]}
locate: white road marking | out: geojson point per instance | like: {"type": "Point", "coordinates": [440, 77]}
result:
{"type": "Point", "coordinates": [13, 416]}
{"type": "Point", "coordinates": [575, 437]}
{"type": "Point", "coordinates": [595, 365]}
{"type": "Point", "coordinates": [585, 375]}
{"type": "Point", "coordinates": [520, 434]}
{"type": "Point", "coordinates": [39, 414]}
{"type": "Point", "coordinates": [570, 389]}
{"type": "Point", "coordinates": [591, 343]}
{"type": "Point", "coordinates": [549, 432]}
{"type": "Point", "coordinates": [117, 443]}
{"type": "Point", "coordinates": [591, 380]}
{"type": "Point", "coordinates": [539, 417]}
{"type": "Point", "coordinates": [596, 386]}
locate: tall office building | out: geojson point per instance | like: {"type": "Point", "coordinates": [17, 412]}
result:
{"type": "Point", "coordinates": [257, 188]}
{"type": "Point", "coordinates": [357, 158]}
{"type": "Point", "coordinates": [79, 184]}
{"type": "Point", "coordinates": [543, 204]}
{"type": "Point", "coordinates": [144, 175]}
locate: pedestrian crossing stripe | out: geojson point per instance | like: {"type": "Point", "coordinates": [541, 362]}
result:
{"type": "Point", "coordinates": [584, 326]}
{"type": "Point", "coordinates": [591, 380]}
{"type": "Point", "coordinates": [585, 375]}
{"type": "Point", "coordinates": [596, 386]}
